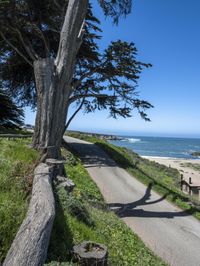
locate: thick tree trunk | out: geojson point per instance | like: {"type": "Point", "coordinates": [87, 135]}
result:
{"type": "Point", "coordinates": [30, 245]}
{"type": "Point", "coordinates": [53, 83]}
{"type": "Point", "coordinates": [51, 109]}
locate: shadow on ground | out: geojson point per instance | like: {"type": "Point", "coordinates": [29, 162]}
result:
{"type": "Point", "coordinates": [91, 155]}
{"type": "Point", "coordinates": [61, 241]}
{"type": "Point", "coordinates": [129, 209]}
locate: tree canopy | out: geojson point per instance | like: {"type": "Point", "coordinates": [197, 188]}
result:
{"type": "Point", "coordinates": [116, 8]}
{"type": "Point", "coordinates": [31, 29]}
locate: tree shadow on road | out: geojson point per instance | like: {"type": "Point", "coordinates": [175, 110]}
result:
{"type": "Point", "coordinates": [131, 209]}
{"type": "Point", "coordinates": [90, 154]}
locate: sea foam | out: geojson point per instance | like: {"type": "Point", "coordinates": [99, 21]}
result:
{"type": "Point", "coordinates": [132, 140]}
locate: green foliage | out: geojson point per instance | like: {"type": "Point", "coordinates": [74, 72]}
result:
{"type": "Point", "coordinates": [83, 136]}
{"type": "Point", "coordinates": [116, 8]}
{"type": "Point", "coordinates": [16, 163]}
{"type": "Point", "coordinates": [10, 116]}
{"type": "Point", "coordinates": [118, 72]}
{"type": "Point", "coordinates": [101, 80]}
{"type": "Point", "coordinates": [75, 207]}
{"type": "Point", "coordinates": [32, 29]}
{"type": "Point", "coordinates": [14, 131]}
{"type": "Point", "coordinates": [85, 188]}
{"type": "Point", "coordinates": [81, 215]}
{"type": "Point", "coordinates": [61, 241]}
{"type": "Point", "coordinates": [55, 263]}
{"type": "Point", "coordinates": [125, 248]}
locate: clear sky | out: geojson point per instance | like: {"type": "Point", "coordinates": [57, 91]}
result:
{"type": "Point", "coordinates": [166, 33]}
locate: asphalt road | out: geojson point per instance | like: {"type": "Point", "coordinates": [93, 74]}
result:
{"type": "Point", "coordinates": [168, 231]}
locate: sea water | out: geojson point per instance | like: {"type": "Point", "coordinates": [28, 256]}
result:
{"type": "Point", "coordinates": [160, 146]}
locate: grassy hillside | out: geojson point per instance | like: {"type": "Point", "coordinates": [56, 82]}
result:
{"type": "Point", "coordinates": [165, 180]}
{"type": "Point", "coordinates": [17, 162]}
{"type": "Point", "coordinates": [81, 215]}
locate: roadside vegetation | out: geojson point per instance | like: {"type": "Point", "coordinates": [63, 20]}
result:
{"type": "Point", "coordinates": [4, 130]}
{"type": "Point", "coordinates": [83, 215]}
{"type": "Point", "coordinates": [17, 163]}
{"type": "Point", "coordinates": [165, 180]}
{"type": "Point", "coordinates": [80, 215]}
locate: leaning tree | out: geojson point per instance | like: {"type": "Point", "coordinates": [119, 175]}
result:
{"type": "Point", "coordinates": [50, 46]}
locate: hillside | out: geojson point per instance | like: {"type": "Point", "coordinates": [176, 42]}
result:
{"type": "Point", "coordinates": [81, 215]}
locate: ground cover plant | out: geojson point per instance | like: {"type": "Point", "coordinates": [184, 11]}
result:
{"type": "Point", "coordinates": [165, 180]}
{"type": "Point", "coordinates": [83, 215]}
{"type": "Point", "coordinates": [17, 163]}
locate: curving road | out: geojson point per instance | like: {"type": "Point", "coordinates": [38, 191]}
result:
{"type": "Point", "coordinates": [171, 233]}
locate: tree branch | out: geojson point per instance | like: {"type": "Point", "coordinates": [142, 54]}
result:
{"type": "Point", "coordinates": [89, 95]}
{"type": "Point", "coordinates": [84, 96]}
{"type": "Point", "coordinates": [41, 35]}
{"type": "Point", "coordinates": [15, 49]}
{"type": "Point", "coordinates": [80, 36]}
{"type": "Point", "coordinates": [88, 74]}
{"type": "Point", "coordinates": [74, 114]}
{"type": "Point", "coordinates": [54, 30]}
{"type": "Point", "coordinates": [57, 5]}
{"type": "Point", "coordinates": [28, 47]}
{"type": "Point", "coordinates": [75, 15]}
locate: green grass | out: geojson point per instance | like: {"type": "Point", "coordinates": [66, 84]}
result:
{"type": "Point", "coordinates": [16, 163]}
{"type": "Point", "coordinates": [83, 215]}
{"type": "Point", "coordinates": [165, 180]}
{"type": "Point", "coordinates": [14, 131]}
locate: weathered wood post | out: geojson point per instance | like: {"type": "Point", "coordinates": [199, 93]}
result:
{"type": "Point", "coordinates": [190, 189]}
{"type": "Point", "coordinates": [181, 182]}
{"type": "Point", "coordinates": [30, 245]}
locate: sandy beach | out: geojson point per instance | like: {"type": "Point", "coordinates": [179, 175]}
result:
{"type": "Point", "coordinates": [187, 167]}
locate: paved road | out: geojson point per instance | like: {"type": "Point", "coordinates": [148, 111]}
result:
{"type": "Point", "coordinates": [168, 231]}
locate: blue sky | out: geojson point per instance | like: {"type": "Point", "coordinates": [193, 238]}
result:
{"type": "Point", "coordinates": [166, 33]}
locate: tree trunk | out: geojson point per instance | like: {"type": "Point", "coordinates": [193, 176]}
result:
{"type": "Point", "coordinates": [30, 245]}
{"type": "Point", "coordinates": [51, 109]}
{"type": "Point", "coordinates": [53, 83]}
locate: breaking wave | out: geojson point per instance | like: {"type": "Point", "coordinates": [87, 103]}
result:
{"type": "Point", "coordinates": [131, 140]}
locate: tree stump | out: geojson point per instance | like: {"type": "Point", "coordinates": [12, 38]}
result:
{"type": "Point", "coordinates": [90, 253]}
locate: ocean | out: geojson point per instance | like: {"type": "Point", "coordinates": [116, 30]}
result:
{"type": "Point", "coordinates": [160, 146]}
